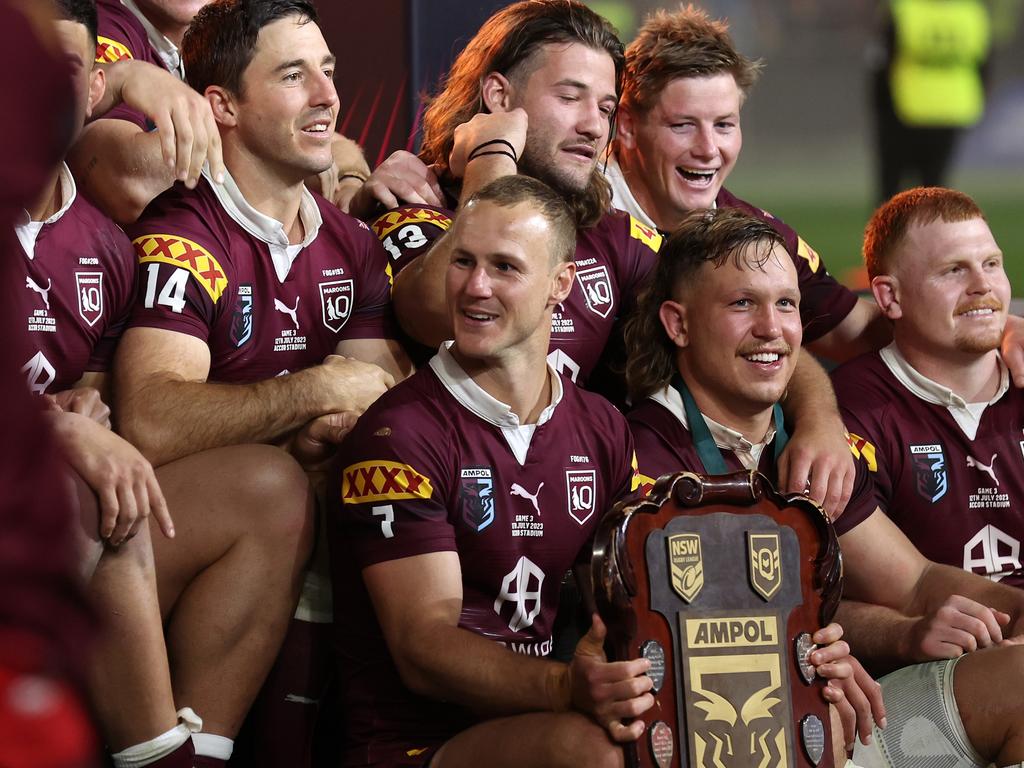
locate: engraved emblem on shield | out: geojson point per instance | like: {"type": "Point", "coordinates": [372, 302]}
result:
{"type": "Point", "coordinates": [336, 303]}
{"type": "Point", "coordinates": [803, 646]}
{"type": "Point", "coordinates": [686, 566]}
{"type": "Point", "coordinates": [597, 289]}
{"type": "Point", "coordinates": [812, 734]}
{"type": "Point", "coordinates": [581, 491]}
{"type": "Point", "coordinates": [89, 287]}
{"type": "Point", "coordinates": [765, 567]}
{"type": "Point", "coordinates": [739, 697]}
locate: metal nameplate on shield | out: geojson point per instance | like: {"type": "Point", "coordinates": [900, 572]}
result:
{"type": "Point", "coordinates": [720, 581]}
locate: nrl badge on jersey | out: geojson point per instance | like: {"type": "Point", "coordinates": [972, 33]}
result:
{"type": "Point", "coordinates": [89, 287]}
{"type": "Point", "coordinates": [336, 303]}
{"type": "Point", "coordinates": [929, 463]}
{"type": "Point", "coordinates": [476, 491]}
{"type": "Point", "coordinates": [241, 319]}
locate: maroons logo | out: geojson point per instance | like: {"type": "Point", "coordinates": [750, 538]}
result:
{"type": "Point", "coordinates": [597, 289]}
{"type": "Point", "coordinates": [89, 287]}
{"type": "Point", "coordinates": [336, 303]}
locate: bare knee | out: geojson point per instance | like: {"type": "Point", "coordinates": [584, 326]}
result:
{"type": "Point", "coordinates": [273, 493]}
{"type": "Point", "coordinates": [585, 742]}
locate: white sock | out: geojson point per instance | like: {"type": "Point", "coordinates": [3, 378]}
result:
{"type": "Point", "coordinates": [150, 751]}
{"type": "Point", "coordinates": [211, 745]}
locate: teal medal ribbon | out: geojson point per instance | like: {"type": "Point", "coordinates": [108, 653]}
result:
{"type": "Point", "coordinates": [708, 452]}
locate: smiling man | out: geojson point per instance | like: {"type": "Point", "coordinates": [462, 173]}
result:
{"type": "Point", "coordinates": [263, 314]}
{"type": "Point", "coordinates": [711, 349]}
{"type": "Point", "coordinates": [934, 409]}
{"type": "Point", "coordinates": [678, 139]}
{"type": "Point", "coordinates": [466, 493]}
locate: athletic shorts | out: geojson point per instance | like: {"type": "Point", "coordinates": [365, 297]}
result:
{"type": "Point", "coordinates": [924, 726]}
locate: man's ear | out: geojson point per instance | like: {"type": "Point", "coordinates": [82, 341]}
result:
{"type": "Point", "coordinates": [886, 289]}
{"type": "Point", "coordinates": [223, 104]}
{"type": "Point", "coordinates": [97, 87]}
{"type": "Point", "coordinates": [673, 320]}
{"type": "Point", "coordinates": [562, 283]}
{"type": "Point", "coordinates": [496, 92]}
{"type": "Point", "coordinates": [625, 128]}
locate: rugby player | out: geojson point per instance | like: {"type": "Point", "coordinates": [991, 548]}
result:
{"type": "Point", "coordinates": [131, 157]}
{"type": "Point", "coordinates": [712, 345]}
{"type": "Point", "coordinates": [46, 624]}
{"type": "Point", "coordinates": [75, 289]}
{"type": "Point", "coordinates": [467, 491]}
{"type": "Point", "coordinates": [534, 93]}
{"type": "Point", "coordinates": [935, 409]}
{"type": "Point", "coordinates": [263, 313]}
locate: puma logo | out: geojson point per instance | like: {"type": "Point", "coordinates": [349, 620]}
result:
{"type": "Point", "coordinates": [292, 312]}
{"type": "Point", "coordinates": [989, 469]}
{"type": "Point", "coordinates": [44, 292]}
{"type": "Point", "coordinates": [518, 490]}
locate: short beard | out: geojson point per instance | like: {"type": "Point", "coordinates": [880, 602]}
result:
{"type": "Point", "coordinates": [978, 344]}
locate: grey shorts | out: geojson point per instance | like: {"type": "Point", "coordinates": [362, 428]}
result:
{"type": "Point", "coordinates": [924, 726]}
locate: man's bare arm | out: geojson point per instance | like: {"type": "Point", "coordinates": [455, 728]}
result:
{"type": "Point", "coordinates": [166, 407]}
{"type": "Point", "coordinates": [418, 601]}
{"type": "Point", "coordinates": [120, 166]}
{"type": "Point", "coordinates": [384, 353]}
{"type": "Point", "coordinates": [418, 295]}
{"type": "Point", "coordinates": [865, 329]}
{"type": "Point", "coordinates": [917, 609]}
{"type": "Point", "coordinates": [818, 457]}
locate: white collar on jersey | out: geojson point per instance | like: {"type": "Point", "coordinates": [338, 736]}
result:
{"type": "Point", "coordinates": [622, 196]}
{"type": "Point", "coordinates": [473, 398]}
{"type": "Point", "coordinates": [727, 439]}
{"type": "Point", "coordinates": [28, 230]}
{"type": "Point", "coordinates": [270, 231]}
{"type": "Point", "coordinates": [967, 415]}
{"type": "Point", "coordinates": [165, 49]}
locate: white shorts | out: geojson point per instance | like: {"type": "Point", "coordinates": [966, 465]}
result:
{"type": "Point", "coordinates": [924, 726]}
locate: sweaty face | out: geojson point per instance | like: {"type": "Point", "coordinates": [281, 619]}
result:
{"type": "Point", "coordinates": [568, 92]}
{"type": "Point", "coordinates": [685, 146]}
{"type": "Point", "coordinates": [952, 289]}
{"type": "Point", "coordinates": [288, 105]}
{"type": "Point", "coordinates": [500, 283]}
{"type": "Point", "coordinates": [742, 334]}
{"type": "Point", "coordinates": [78, 49]}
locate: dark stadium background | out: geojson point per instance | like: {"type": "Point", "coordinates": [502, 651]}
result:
{"type": "Point", "coordinates": [807, 152]}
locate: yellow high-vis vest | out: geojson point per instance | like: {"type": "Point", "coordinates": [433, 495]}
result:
{"type": "Point", "coordinates": [940, 45]}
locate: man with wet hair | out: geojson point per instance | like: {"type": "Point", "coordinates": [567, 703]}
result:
{"type": "Point", "coordinates": [712, 345]}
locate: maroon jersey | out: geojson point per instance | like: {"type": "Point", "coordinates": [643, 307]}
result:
{"type": "Point", "coordinates": [71, 289]}
{"type": "Point", "coordinates": [612, 259]}
{"type": "Point", "coordinates": [959, 497]}
{"type": "Point", "coordinates": [41, 590]}
{"type": "Point", "coordinates": [824, 302]}
{"type": "Point", "coordinates": [121, 35]}
{"type": "Point", "coordinates": [664, 445]}
{"type": "Point", "coordinates": [431, 467]}
{"type": "Point", "coordinates": [213, 268]}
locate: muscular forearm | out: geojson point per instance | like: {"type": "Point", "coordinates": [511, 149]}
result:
{"type": "Point", "coordinates": [938, 582]}
{"type": "Point", "coordinates": [120, 167]}
{"type": "Point", "coordinates": [810, 397]}
{"type": "Point", "coordinates": [878, 635]}
{"type": "Point", "coordinates": [453, 664]}
{"type": "Point", "coordinates": [169, 418]}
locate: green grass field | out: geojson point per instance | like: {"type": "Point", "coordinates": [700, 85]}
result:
{"type": "Point", "coordinates": [831, 218]}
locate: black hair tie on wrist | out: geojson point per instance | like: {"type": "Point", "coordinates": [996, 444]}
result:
{"type": "Point", "coordinates": [476, 152]}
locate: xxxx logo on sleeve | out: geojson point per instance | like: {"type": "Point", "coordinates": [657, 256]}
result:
{"type": "Point", "coordinates": [108, 51]}
{"type": "Point", "coordinates": [392, 220]}
{"type": "Point", "coordinates": [649, 237]}
{"type": "Point", "coordinates": [380, 480]}
{"type": "Point", "coordinates": [186, 254]}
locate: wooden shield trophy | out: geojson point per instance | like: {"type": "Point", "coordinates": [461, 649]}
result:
{"type": "Point", "coordinates": [720, 582]}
